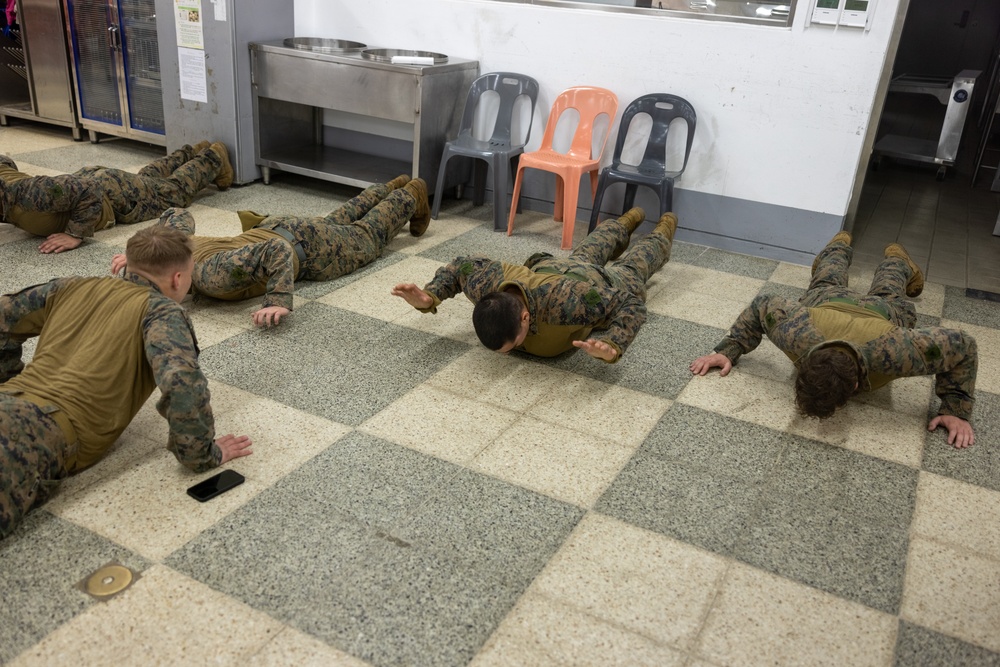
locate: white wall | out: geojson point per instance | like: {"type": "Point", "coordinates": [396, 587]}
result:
{"type": "Point", "coordinates": [782, 113]}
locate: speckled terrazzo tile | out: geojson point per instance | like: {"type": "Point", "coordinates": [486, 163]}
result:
{"type": "Point", "coordinates": [11, 234]}
{"type": "Point", "coordinates": [427, 592]}
{"type": "Point", "coordinates": [23, 265]}
{"type": "Point", "coordinates": [314, 290]}
{"type": "Point", "coordinates": [657, 361]}
{"type": "Point", "coordinates": [958, 513]}
{"type": "Point", "coordinates": [698, 477]}
{"type": "Point", "coordinates": [686, 253]}
{"type": "Point", "coordinates": [440, 231]}
{"type": "Point", "coordinates": [644, 582]}
{"type": "Point", "coordinates": [835, 520]}
{"type": "Point", "coordinates": [760, 619]}
{"type": "Point", "coordinates": [988, 351]}
{"type": "Point", "coordinates": [920, 647]}
{"type": "Point", "coordinates": [15, 141]}
{"type": "Point", "coordinates": [416, 421]}
{"type": "Point", "coordinates": [117, 153]}
{"type": "Point", "coordinates": [980, 312]}
{"type": "Point", "coordinates": [953, 591]}
{"type": "Point", "coordinates": [211, 330]}
{"type": "Point", "coordinates": [771, 288]}
{"type": "Point", "coordinates": [977, 464]}
{"type": "Point", "coordinates": [701, 295]}
{"type": "Point", "coordinates": [118, 235]}
{"type": "Point", "coordinates": [156, 614]}
{"type": "Point", "coordinates": [884, 432]}
{"type": "Point", "coordinates": [741, 265]}
{"type": "Point", "coordinates": [41, 563]}
{"type": "Point", "coordinates": [291, 647]}
{"type": "Point", "coordinates": [297, 195]}
{"type": "Point", "coordinates": [370, 294]}
{"type": "Point", "coordinates": [931, 300]}
{"type": "Point", "coordinates": [541, 631]}
{"type": "Point", "coordinates": [239, 313]}
{"type": "Point", "coordinates": [145, 506]}
{"type": "Point", "coordinates": [556, 461]}
{"type": "Point", "coordinates": [505, 382]}
{"type": "Point", "coordinates": [793, 275]}
{"type": "Point", "coordinates": [332, 362]}
{"type": "Point", "coordinates": [537, 233]}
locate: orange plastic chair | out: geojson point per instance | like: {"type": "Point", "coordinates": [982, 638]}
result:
{"type": "Point", "coordinates": [569, 167]}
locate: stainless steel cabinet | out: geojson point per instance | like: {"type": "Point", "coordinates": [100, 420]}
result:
{"type": "Point", "coordinates": [116, 64]}
{"type": "Point", "coordinates": [38, 85]}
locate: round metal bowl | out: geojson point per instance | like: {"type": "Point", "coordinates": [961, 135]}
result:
{"type": "Point", "coordinates": [323, 45]}
{"type": "Point", "coordinates": [386, 55]}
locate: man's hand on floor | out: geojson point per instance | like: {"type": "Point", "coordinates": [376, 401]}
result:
{"type": "Point", "coordinates": [233, 446]}
{"type": "Point", "coordinates": [960, 433]}
{"type": "Point", "coordinates": [702, 365]}
{"type": "Point", "coordinates": [597, 349]}
{"type": "Point", "coordinates": [270, 316]}
{"type": "Point", "coordinates": [59, 242]}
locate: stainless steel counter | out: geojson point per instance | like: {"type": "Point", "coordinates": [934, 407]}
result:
{"type": "Point", "coordinates": [408, 112]}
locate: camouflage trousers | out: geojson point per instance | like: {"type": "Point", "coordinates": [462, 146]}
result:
{"type": "Point", "coordinates": [350, 237]}
{"type": "Point", "coordinates": [887, 294]}
{"type": "Point", "coordinates": [32, 461]}
{"type": "Point", "coordinates": [629, 273]}
{"type": "Point", "coordinates": [173, 180]}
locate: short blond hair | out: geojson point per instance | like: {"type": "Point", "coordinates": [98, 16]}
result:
{"type": "Point", "coordinates": [158, 250]}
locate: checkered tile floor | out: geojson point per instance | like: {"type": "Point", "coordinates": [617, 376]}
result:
{"type": "Point", "coordinates": [414, 499]}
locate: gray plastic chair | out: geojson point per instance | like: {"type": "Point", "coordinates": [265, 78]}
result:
{"type": "Point", "coordinates": [498, 152]}
{"type": "Point", "coordinates": [652, 171]}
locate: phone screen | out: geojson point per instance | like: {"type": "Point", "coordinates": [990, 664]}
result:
{"type": "Point", "coordinates": [215, 485]}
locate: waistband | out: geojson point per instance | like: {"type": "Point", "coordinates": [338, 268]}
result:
{"type": "Point", "coordinates": [59, 416]}
{"type": "Point", "coordinates": [552, 271]}
{"type": "Point", "coordinates": [299, 251]}
{"type": "Point", "coordinates": [854, 302]}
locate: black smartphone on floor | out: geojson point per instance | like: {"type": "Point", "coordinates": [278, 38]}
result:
{"type": "Point", "coordinates": [215, 485]}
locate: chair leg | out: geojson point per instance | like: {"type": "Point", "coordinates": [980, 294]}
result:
{"type": "Point", "coordinates": [439, 187]}
{"type": "Point", "coordinates": [571, 196]}
{"type": "Point", "coordinates": [557, 213]}
{"type": "Point", "coordinates": [593, 184]}
{"type": "Point", "coordinates": [595, 210]}
{"type": "Point", "coordinates": [500, 175]}
{"type": "Point", "coordinates": [630, 190]}
{"type": "Point", "coordinates": [513, 201]}
{"type": "Point", "coordinates": [514, 161]}
{"type": "Point", "coordinates": [479, 183]}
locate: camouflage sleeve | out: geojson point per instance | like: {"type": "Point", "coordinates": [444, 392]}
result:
{"type": "Point", "coordinates": [475, 276]}
{"type": "Point", "coordinates": [271, 261]}
{"type": "Point", "coordinates": [78, 196]}
{"type": "Point", "coordinates": [781, 319]}
{"type": "Point", "coordinates": [622, 312]}
{"type": "Point", "coordinates": [184, 398]}
{"type": "Point", "coordinates": [179, 219]}
{"type": "Point", "coordinates": [21, 317]}
{"type": "Point", "coordinates": [950, 355]}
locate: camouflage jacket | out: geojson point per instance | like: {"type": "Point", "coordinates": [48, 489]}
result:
{"type": "Point", "coordinates": [564, 301]}
{"type": "Point", "coordinates": [169, 348]}
{"type": "Point", "coordinates": [79, 200]}
{"type": "Point", "coordinates": [948, 354]}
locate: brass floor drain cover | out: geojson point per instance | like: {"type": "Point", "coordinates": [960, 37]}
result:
{"type": "Point", "coordinates": [109, 580]}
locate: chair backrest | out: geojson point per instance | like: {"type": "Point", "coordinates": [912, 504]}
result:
{"type": "Point", "coordinates": [509, 86]}
{"type": "Point", "coordinates": [662, 108]}
{"type": "Point", "coordinates": [590, 102]}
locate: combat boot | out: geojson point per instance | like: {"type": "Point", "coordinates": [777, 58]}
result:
{"type": "Point", "coordinates": [225, 177]}
{"type": "Point", "coordinates": [839, 237]}
{"type": "Point", "coordinates": [667, 225]}
{"type": "Point", "coordinates": [422, 214]}
{"type": "Point", "coordinates": [632, 219]}
{"type": "Point", "coordinates": [915, 285]}
{"type": "Point", "coordinates": [200, 146]}
{"type": "Point", "coordinates": [398, 182]}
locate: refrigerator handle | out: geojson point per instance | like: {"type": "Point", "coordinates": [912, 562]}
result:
{"type": "Point", "coordinates": [114, 38]}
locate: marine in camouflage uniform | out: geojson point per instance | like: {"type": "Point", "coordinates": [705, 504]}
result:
{"type": "Point", "coordinates": [61, 412]}
{"type": "Point", "coordinates": [878, 328]}
{"type": "Point", "coordinates": [277, 250]}
{"type": "Point", "coordinates": [568, 298]}
{"type": "Point", "coordinates": [95, 198]}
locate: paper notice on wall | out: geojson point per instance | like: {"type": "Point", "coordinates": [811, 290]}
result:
{"type": "Point", "coordinates": [220, 9]}
{"type": "Point", "coordinates": [187, 15]}
{"type": "Point", "coordinates": [191, 63]}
